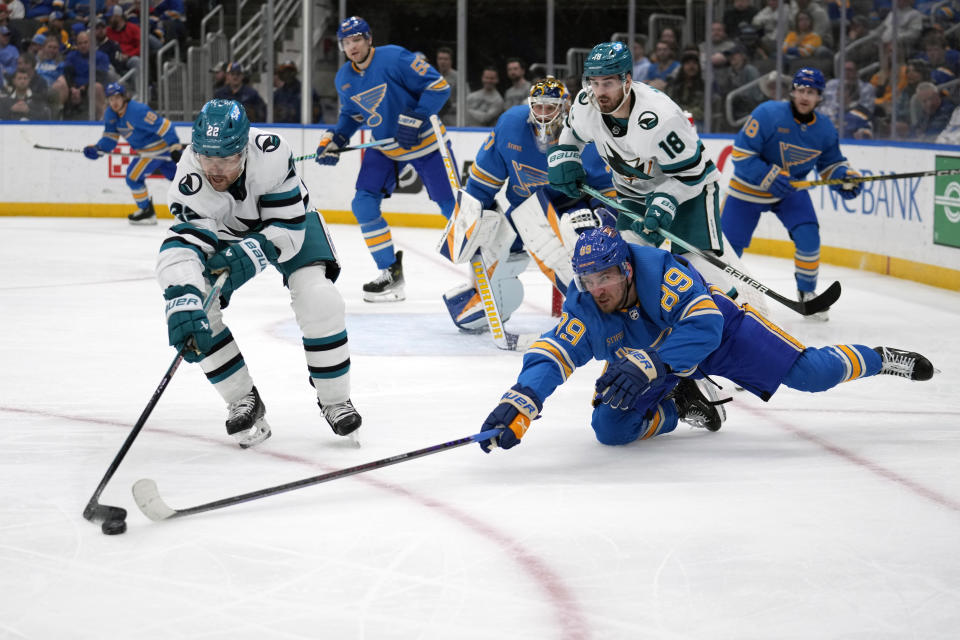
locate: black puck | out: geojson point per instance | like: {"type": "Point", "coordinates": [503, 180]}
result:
{"type": "Point", "coordinates": [113, 527]}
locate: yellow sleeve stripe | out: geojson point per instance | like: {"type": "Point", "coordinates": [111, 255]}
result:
{"type": "Point", "coordinates": [163, 127]}
{"type": "Point", "coordinates": [739, 154]}
{"type": "Point", "coordinates": [701, 305]}
{"type": "Point", "coordinates": [395, 151]}
{"type": "Point", "coordinates": [113, 135]}
{"type": "Point", "coordinates": [484, 177]}
{"type": "Point", "coordinates": [439, 85]}
{"type": "Point", "coordinates": [737, 185]}
{"type": "Point", "coordinates": [553, 351]}
{"type": "Point", "coordinates": [156, 146]}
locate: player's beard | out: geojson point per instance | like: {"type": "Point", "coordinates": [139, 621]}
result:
{"type": "Point", "coordinates": [607, 104]}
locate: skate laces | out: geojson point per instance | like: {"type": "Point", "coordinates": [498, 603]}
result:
{"type": "Point", "coordinates": [897, 363]}
{"type": "Point", "coordinates": [243, 406]}
{"type": "Point", "coordinates": [334, 412]}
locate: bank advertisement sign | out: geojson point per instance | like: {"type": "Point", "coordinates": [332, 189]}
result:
{"type": "Point", "coordinates": [946, 204]}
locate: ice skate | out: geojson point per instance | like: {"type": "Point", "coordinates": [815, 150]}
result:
{"type": "Point", "coordinates": [822, 316]}
{"type": "Point", "coordinates": [906, 364]}
{"type": "Point", "coordinates": [342, 417]}
{"type": "Point", "coordinates": [388, 286]}
{"type": "Point", "coordinates": [246, 422]}
{"type": "Point", "coordinates": [698, 404]}
{"type": "Point", "coordinates": [144, 216]}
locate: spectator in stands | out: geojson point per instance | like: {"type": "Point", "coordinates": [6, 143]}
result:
{"type": "Point", "coordinates": [172, 15]}
{"type": "Point", "coordinates": [6, 21]}
{"type": "Point", "coordinates": [951, 133]}
{"type": "Point", "coordinates": [127, 37]}
{"type": "Point", "coordinates": [38, 9]}
{"type": "Point", "coordinates": [944, 62]}
{"type": "Point", "coordinates": [111, 49]}
{"type": "Point", "coordinates": [76, 70]}
{"type": "Point", "coordinates": [8, 52]}
{"type": "Point", "coordinates": [18, 102]}
{"type": "Point", "coordinates": [485, 105]}
{"type": "Point", "coordinates": [881, 82]}
{"type": "Point", "coordinates": [721, 44]}
{"type": "Point", "coordinates": [932, 112]}
{"type": "Point", "coordinates": [857, 93]}
{"type": "Point", "coordinates": [35, 44]}
{"type": "Point", "coordinates": [749, 38]}
{"type": "Point", "coordinates": [669, 35]}
{"type": "Point", "coordinates": [15, 10]}
{"type": "Point", "coordinates": [741, 11]}
{"type": "Point", "coordinates": [641, 63]}
{"type": "Point", "coordinates": [236, 88]}
{"type": "Point", "coordinates": [857, 28]}
{"type": "Point", "coordinates": [219, 72]}
{"type": "Point", "coordinates": [448, 114]}
{"type": "Point", "coordinates": [910, 25]}
{"type": "Point", "coordinates": [766, 23]}
{"type": "Point", "coordinates": [737, 73]}
{"type": "Point", "coordinates": [519, 89]}
{"type": "Point", "coordinates": [27, 62]}
{"type": "Point", "coordinates": [54, 27]}
{"type": "Point", "coordinates": [802, 41]}
{"type": "Point", "coordinates": [687, 88]}
{"type": "Point", "coordinates": [820, 20]}
{"type": "Point", "coordinates": [917, 72]}
{"type": "Point", "coordinates": [659, 74]}
{"type": "Point", "coordinates": [50, 68]}
{"type": "Point", "coordinates": [286, 95]}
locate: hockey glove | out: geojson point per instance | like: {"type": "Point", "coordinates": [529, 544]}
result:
{"type": "Point", "coordinates": [409, 124]}
{"type": "Point", "coordinates": [188, 328]}
{"type": "Point", "coordinates": [625, 380]}
{"type": "Point", "coordinates": [661, 209]}
{"type": "Point", "coordinates": [781, 187]}
{"type": "Point", "coordinates": [328, 149]}
{"type": "Point", "coordinates": [847, 190]}
{"type": "Point", "coordinates": [91, 151]}
{"type": "Point", "coordinates": [243, 260]}
{"type": "Point", "coordinates": [176, 151]}
{"type": "Point", "coordinates": [517, 408]}
{"type": "Point", "coordinates": [565, 171]}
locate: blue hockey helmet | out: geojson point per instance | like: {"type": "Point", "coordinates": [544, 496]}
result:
{"type": "Point", "coordinates": [599, 249]}
{"type": "Point", "coordinates": [810, 77]}
{"type": "Point", "coordinates": [352, 26]}
{"type": "Point", "coordinates": [221, 129]}
{"type": "Point", "coordinates": [608, 59]}
{"type": "Point", "coordinates": [115, 89]}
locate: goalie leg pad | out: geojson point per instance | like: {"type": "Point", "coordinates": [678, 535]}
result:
{"type": "Point", "coordinates": [319, 309]}
{"type": "Point", "coordinates": [470, 227]}
{"type": "Point", "coordinates": [465, 306]}
{"type": "Point", "coordinates": [538, 224]}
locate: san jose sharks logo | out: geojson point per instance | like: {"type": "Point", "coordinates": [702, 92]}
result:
{"type": "Point", "coordinates": [190, 184]}
{"type": "Point", "coordinates": [527, 179]}
{"type": "Point", "coordinates": [268, 142]}
{"type": "Point", "coordinates": [369, 100]}
{"type": "Point", "coordinates": [791, 155]}
{"type": "Point", "coordinates": [623, 168]}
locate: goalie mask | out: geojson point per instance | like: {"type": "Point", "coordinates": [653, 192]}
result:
{"type": "Point", "coordinates": [549, 102]}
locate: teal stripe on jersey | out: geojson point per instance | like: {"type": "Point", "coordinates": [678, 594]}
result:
{"type": "Point", "coordinates": [321, 342]}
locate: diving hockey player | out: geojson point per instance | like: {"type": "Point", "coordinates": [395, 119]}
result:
{"type": "Point", "coordinates": [148, 134]}
{"type": "Point", "coordinates": [540, 221]}
{"type": "Point", "coordinates": [661, 170]}
{"type": "Point", "coordinates": [241, 207]}
{"type": "Point", "coordinates": [662, 330]}
{"type": "Point", "coordinates": [394, 93]}
{"type": "Point", "coordinates": [780, 142]}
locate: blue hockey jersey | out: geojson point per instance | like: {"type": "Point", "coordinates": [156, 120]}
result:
{"type": "Point", "coordinates": [773, 141]}
{"type": "Point", "coordinates": [510, 152]}
{"type": "Point", "coordinates": [142, 127]}
{"type": "Point", "coordinates": [395, 81]}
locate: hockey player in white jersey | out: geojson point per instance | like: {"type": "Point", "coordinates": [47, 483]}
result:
{"type": "Point", "coordinates": [241, 207]}
{"type": "Point", "coordinates": [660, 167]}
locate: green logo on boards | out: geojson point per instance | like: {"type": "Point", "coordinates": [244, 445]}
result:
{"type": "Point", "coordinates": [946, 204]}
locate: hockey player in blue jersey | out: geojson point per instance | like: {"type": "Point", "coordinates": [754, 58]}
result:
{"type": "Point", "coordinates": [539, 220]}
{"type": "Point", "coordinates": [241, 207]}
{"type": "Point", "coordinates": [148, 134]}
{"type": "Point", "coordinates": [780, 142]}
{"type": "Point", "coordinates": [662, 330]}
{"type": "Point", "coordinates": [394, 93]}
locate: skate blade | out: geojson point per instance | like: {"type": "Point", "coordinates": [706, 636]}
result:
{"type": "Point", "coordinates": [354, 438]}
{"type": "Point", "coordinates": [144, 223]}
{"type": "Point", "coordinates": [392, 296]}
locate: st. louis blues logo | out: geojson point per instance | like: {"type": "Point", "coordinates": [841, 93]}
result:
{"type": "Point", "coordinates": [791, 155]}
{"type": "Point", "coordinates": [527, 179]}
{"type": "Point", "coordinates": [369, 100]}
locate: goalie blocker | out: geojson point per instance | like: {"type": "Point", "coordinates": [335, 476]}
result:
{"type": "Point", "coordinates": [534, 229]}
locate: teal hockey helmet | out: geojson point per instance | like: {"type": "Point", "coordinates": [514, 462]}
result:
{"type": "Point", "coordinates": [608, 59]}
{"type": "Point", "coordinates": [221, 129]}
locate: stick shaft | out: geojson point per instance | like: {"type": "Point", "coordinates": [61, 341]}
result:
{"type": "Point", "coordinates": [365, 145]}
{"type": "Point", "coordinates": [806, 184]}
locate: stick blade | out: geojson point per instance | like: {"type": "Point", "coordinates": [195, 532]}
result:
{"type": "Point", "coordinates": [822, 302]}
{"type": "Point", "coordinates": [147, 497]}
{"type": "Point", "coordinates": [96, 512]}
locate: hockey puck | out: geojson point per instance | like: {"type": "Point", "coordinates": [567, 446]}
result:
{"type": "Point", "coordinates": [113, 527]}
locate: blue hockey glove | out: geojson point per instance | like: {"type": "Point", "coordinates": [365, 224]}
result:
{"type": "Point", "coordinates": [781, 187]}
{"type": "Point", "coordinates": [625, 380]}
{"type": "Point", "coordinates": [518, 407]}
{"type": "Point", "coordinates": [91, 151]}
{"type": "Point", "coordinates": [565, 170]}
{"type": "Point", "coordinates": [188, 328]}
{"type": "Point", "coordinates": [661, 209]}
{"type": "Point", "coordinates": [328, 149]}
{"type": "Point", "coordinates": [243, 259]}
{"type": "Point", "coordinates": [409, 124]}
{"type": "Point", "coordinates": [847, 190]}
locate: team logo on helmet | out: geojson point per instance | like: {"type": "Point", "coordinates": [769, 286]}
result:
{"type": "Point", "coordinates": [648, 120]}
{"type": "Point", "coordinates": [190, 184]}
{"type": "Point", "coordinates": [268, 142]}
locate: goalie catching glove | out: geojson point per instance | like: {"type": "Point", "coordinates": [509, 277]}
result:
{"type": "Point", "coordinates": [625, 380]}
{"type": "Point", "coordinates": [188, 327]}
{"type": "Point", "coordinates": [517, 409]}
{"type": "Point", "coordinates": [243, 259]}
